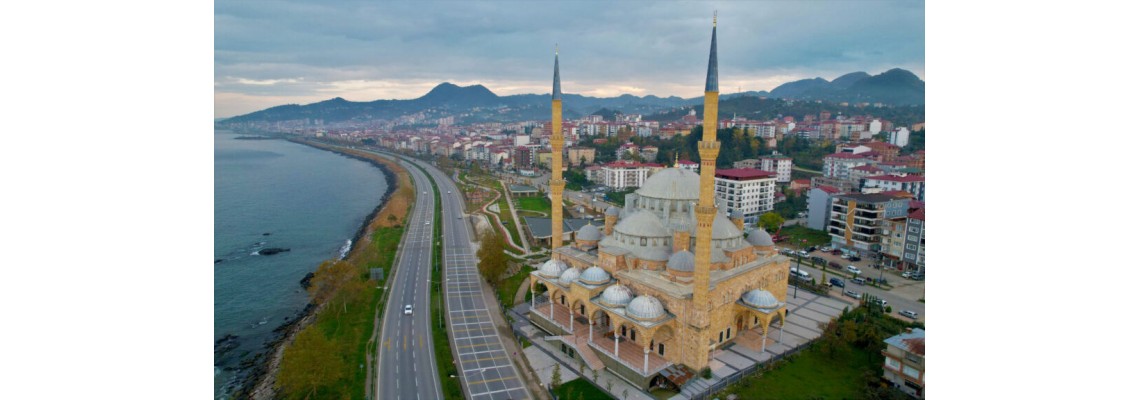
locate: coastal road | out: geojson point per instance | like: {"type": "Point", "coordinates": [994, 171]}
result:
{"type": "Point", "coordinates": [406, 355]}
{"type": "Point", "coordinates": [485, 368]}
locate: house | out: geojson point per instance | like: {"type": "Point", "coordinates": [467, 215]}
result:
{"type": "Point", "coordinates": [914, 253]}
{"type": "Point", "coordinates": [904, 362]}
{"type": "Point", "coordinates": [781, 165]}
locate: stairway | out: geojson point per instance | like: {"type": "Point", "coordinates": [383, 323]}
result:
{"type": "Point", "coordinates": [695, 386]}
{"type": "Point", "coordinates": [581, 344]}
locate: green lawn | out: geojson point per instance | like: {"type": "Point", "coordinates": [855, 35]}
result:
{"type": "Point", "coordinates": [540, 204]}
{"type": "Point", "coordinates": [506, 289]}
{"type": "Point", "coordinates": [579, 389]}
{"type": "Point", "coordinates": [797, 233]}
{"type": "Point", "coordinates": [812, 375]}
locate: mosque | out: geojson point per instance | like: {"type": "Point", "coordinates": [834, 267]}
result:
{"type": "Point", "coordinates": [668, 278]}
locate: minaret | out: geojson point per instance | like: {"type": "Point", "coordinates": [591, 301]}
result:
{"type": "Point", "coordinates": [556, 181]}
{"type": "Point", "coordinates": [708, 148]}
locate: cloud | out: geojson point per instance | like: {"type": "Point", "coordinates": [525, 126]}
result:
{"type": "Point", "coordinates": [318, 50]}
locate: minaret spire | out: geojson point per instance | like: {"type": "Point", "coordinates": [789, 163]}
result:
{"type": "Point", "coordinates": [708, 148]}
{"type": "Point", "coordinates": [557, 184]}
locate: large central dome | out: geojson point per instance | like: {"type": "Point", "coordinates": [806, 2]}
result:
{"type": "Point", "coordinates": [672, 184]}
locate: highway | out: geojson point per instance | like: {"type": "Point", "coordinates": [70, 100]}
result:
{"type": "Point", "coordinates": [406, 356]}
{"type": "Point", "coordinates": [485, 368]}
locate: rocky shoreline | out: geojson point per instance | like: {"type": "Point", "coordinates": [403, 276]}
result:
{"type": "Point", "coordinates": [262, 368]}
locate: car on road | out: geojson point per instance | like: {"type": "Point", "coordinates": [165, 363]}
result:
{"type": "Point", "coordinates": [425, 192]}
{"type": "Point", "coordinates": [448, 192]}
{"type": "Point", "coordinates": [819, 259]}
{"type": "Point", "coordinates": [408, 309]}
{"type": "Point", "coordinates": [803, 253]}
{"type": "Point", "coordinates": [906, 274]}
{"type": "Point", "coordinates": [836, 282]}
{"type": "Point", "coordinates": [854, 258]}
{"type": "Point", "coordinates": [859, 281]}
{"type": "Point", "coordinates": [851, 293]}
{"type": "Point", "coordinates": [882, 303]}
{"type": "Point", "coordinates": [427, 223]}
{"type": "Point", "coordinates": [854, 270]}
{"type": "Point", "coordinates": [909, 314]}
{"type": "Point", "coordinates": [825, 248]}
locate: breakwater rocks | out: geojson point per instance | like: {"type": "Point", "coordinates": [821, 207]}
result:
{"type": "Point", "coordinates": [271, 251]}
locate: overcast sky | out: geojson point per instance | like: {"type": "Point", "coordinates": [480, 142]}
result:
{"type": "Point", "coordinates": [269, 53]}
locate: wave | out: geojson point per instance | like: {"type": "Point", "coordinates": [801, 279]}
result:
{"type": "Point", "coordinates": [344, 249]}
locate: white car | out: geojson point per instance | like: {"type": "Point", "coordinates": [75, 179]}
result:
{"type": "Point", "coordinates": [909, 314]}
{"type": "Point", "coordinates": [906, 274]}
{"type": "Point", "coordinates": [854, 270]}
{"type": "Point", "coordinates": [448, 192]}
{"type": "Point", "coordinates": [408, 309]}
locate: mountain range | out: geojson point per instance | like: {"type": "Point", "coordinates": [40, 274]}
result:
{"type": "Point", "coordinates": [894, 87]}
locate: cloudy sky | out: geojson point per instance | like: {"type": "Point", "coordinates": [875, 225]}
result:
{"type": "Point", "coordinates": [269, 53]}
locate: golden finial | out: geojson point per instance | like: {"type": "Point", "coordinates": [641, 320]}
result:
{"type": "Point", "coordinates": [676, 163]}
{"type": "Point", "coordinates": [714, 18]}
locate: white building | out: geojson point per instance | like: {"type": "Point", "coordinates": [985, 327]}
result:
{"type": "Point", "coordinates": [620, 175]}
{"type": "Point", "coordinates": [750, 191]}
{"type": "Point", "coordinates": [915, 184]}
{"type": "Point", "coordinates": [839, 165]}
{"type": "Point", "coordinates": [875, 127]}
{"type": "Point", "coordinates": [522, 140]}
{"type": "Point", "coordinates": [781, 165]}
{"type": "Point", "coordinates": [900, 137]}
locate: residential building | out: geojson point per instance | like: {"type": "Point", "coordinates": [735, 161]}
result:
{"type": "Point", "coordinates": [689, 165]}
{"type": "Point", "coordinates": [839, 165]}
{"type": "Point", "coordinates": [915, 184]}
{"type": "Point", "coordinates": [904, 362]}
{"type": "Point", "coordinates": [595, 174]}
{"type": "Point", "coordinates": [543, 158]}
{"type": "Point", "coordinates": [623, 174]}
{"type": "Point", "coordinates": [858, 174]}
{"type": "Point", "coordinates": [888, 152]}
{"type": "Point", "coordinates": [649, 153]}
{"type": "Point", "coordinates": [751, 163]}
{"type": "Point", "coordinates": [914, 254]}
{"type": "Point", "coordinates": [781, 165]}
{"type": "Point", "coordinates": [857, 219]}
{"type": "Point", "coordinates": [749, 191]}
{"type": "Point", "coordinates": [819, 206]}
{"type": "Point", "coordinates": [900, 137]}
{"type": "Point", "coordinates": [581, 156]}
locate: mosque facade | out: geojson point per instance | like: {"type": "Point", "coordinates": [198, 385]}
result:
{"type": "Point", "coordinates": [668, 278]}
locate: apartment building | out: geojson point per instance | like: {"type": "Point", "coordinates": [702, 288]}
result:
{"type": "Point", "coordinates": [904, 362]}
{"type": "Point", "coordinates": [750, 191]}
{"type": "Point", "coordinates": [779, 164]}
{"type": "Point", "coordinates": [856, 221]}
{"type": "Point", "coordinates": [915, 184]}
{"type": "Point", "coordinates": [839, 165]}
{"type": "Point", "coordinates": [914, 252]}
{"type": "Point", "coordinates": [623, 174]}
{"type": "Point", "coordinates": [580, 156]}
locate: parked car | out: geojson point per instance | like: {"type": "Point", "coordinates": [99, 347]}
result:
{"type": "Point", "coordinates": [854, 258]}
{"type": "Point", "coordinates": [854, 270]}
{"type": "Point", "coordinates": [906, 274]}
{"type": "Point", "coordinates": [909, 314]}
{"type": "Point", "coordinates": [859, 281]}
{"type": "Point", "coordinates": [844, 256]}
{"type": "Point", "coordinates": [835, 265]}
{"type": "Point", "coordinates": [882, 303]}
{"type": "Point", "coordinates": [825, 248]}
{"type": "Point", "coordinates": [819, 259]}
{"type": "Point", "coordinates": [851, 293]}
{"type": "Point", "coordinates": [836, 252]}
{"type": "Point", "coordinates": [803, 253]}
{"type": "Point", "coordinates": [836, 282]}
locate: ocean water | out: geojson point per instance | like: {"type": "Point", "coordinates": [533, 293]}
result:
{"type": "Point", "coordinates": [307, 200]}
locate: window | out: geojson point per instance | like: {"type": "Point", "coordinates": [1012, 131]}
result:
{"type": "Point", "coordinates": [910, 371]}
{"type": "Point", "coordinates": [623, 330]}
{"type": "Point", "coordinates": [661, 349]}
{"type": "Point", "coordinates": [633, 334]}
{"type": "Point", "coordinates": [892, 363]}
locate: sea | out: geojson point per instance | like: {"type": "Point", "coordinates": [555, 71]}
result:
{"type": "Point", "coordinates": [276, 194]}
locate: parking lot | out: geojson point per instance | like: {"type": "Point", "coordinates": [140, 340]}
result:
{"type": "Point", "coordinates": [903, 295]}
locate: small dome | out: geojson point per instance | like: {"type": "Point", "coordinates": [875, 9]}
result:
{"type": "Point", "coordinates": [616, 296]}
{"type": "Point", "coordinates": [614, 211]}
{"type": "Point", "coordinates": [595, 276]}
{"type": "Point", "coordinates": [723, 228]}
{"type": "Point", "coordinates": [552, 268]}
{"type": "Point", "coordinates": [759, 237]}
{"type": "Point", "coordinates": [760, 299]}
{"type": "Point", "coordinates": [570, 275]}
{"type": "Point", "coordinates": [682, 261]}
{"type": "Point", "coordinates": [645, 308]}
{"type": "Point", "coordinates": [589, 232]}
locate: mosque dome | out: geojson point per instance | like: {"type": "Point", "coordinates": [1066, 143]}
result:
{"type": "Point", "coordinates": [682, 261]}
{"type": "Point", "coordinates": [642, 224]}
{"type": "Point", "coordinates": [552, 268]}
{"type": "Point", "coordinates": [672, 184]}
{"type": "Point", "coordinates": [616, 296]}
{"type": "Point", "coordinates": [759, 237]}
{"type": "Point", "coordinates": [569, 276]}
{"type": "Point", "coordinates": [760, 299]}
{"type": "Point", "coordinates": [589, 232]}
{"type": "Point", "coordinates": [723, 228]}
{"type": "Point", "coordinates": [645, 308]}
{"type": "Point", "coordinates": [595, 276]}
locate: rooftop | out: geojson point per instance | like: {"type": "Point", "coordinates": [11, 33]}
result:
{"type": "Point", "coordinates": [913, 341]}
{"type": "Point", "coordinates": [743, 173]}
{"type": "Point", "coordinates": [896, 178]}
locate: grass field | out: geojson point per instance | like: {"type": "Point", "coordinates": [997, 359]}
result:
{"type": "Point", "coordinates": [797, 233]}
{"type": "Point", "coordinates": [813, 375]}
{"type": "Point", "coordinates": [540, 204]}
{"type": "Point", "coordinates": [579, 389]}
{"type": "Point", "coordinates": [506, 289]}
{"type": "Point", "coordinates": [508, 219]}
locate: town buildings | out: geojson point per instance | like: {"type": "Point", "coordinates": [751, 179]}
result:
{"type": "Point", "coordinates": [748, 191]}
{"type": "Point", "coordinates": [622, 174]}
{"type": "Point", "coordinates": [914, 184]}
{"type": "Point", "coordinates": [780, 165]}
{"type": "Point", "coordinates": [856, 221]}
{"type": "Point", "coordinates": [581, 156]}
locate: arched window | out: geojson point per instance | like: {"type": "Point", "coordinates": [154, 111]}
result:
{"type": "Point", "coordinates": [661, 349]}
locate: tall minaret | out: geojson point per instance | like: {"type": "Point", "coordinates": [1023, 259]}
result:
{"type": "Point", "coordinates": [556, 181]}
{"type": "Point", "coordinates": [708, 148]}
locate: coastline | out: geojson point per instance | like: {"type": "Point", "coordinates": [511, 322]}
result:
{"type": "Point", "coordinates": [260, 382]}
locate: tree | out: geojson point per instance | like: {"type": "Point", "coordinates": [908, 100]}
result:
{"type": "Point", "coordinates": [556, 376]}
{"type": "Point", "coordinates": [492, 261]}
{"type": "Point", "coordinates": [771, 221]}
{"type": "Point", "coordinates": [310, 363]}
